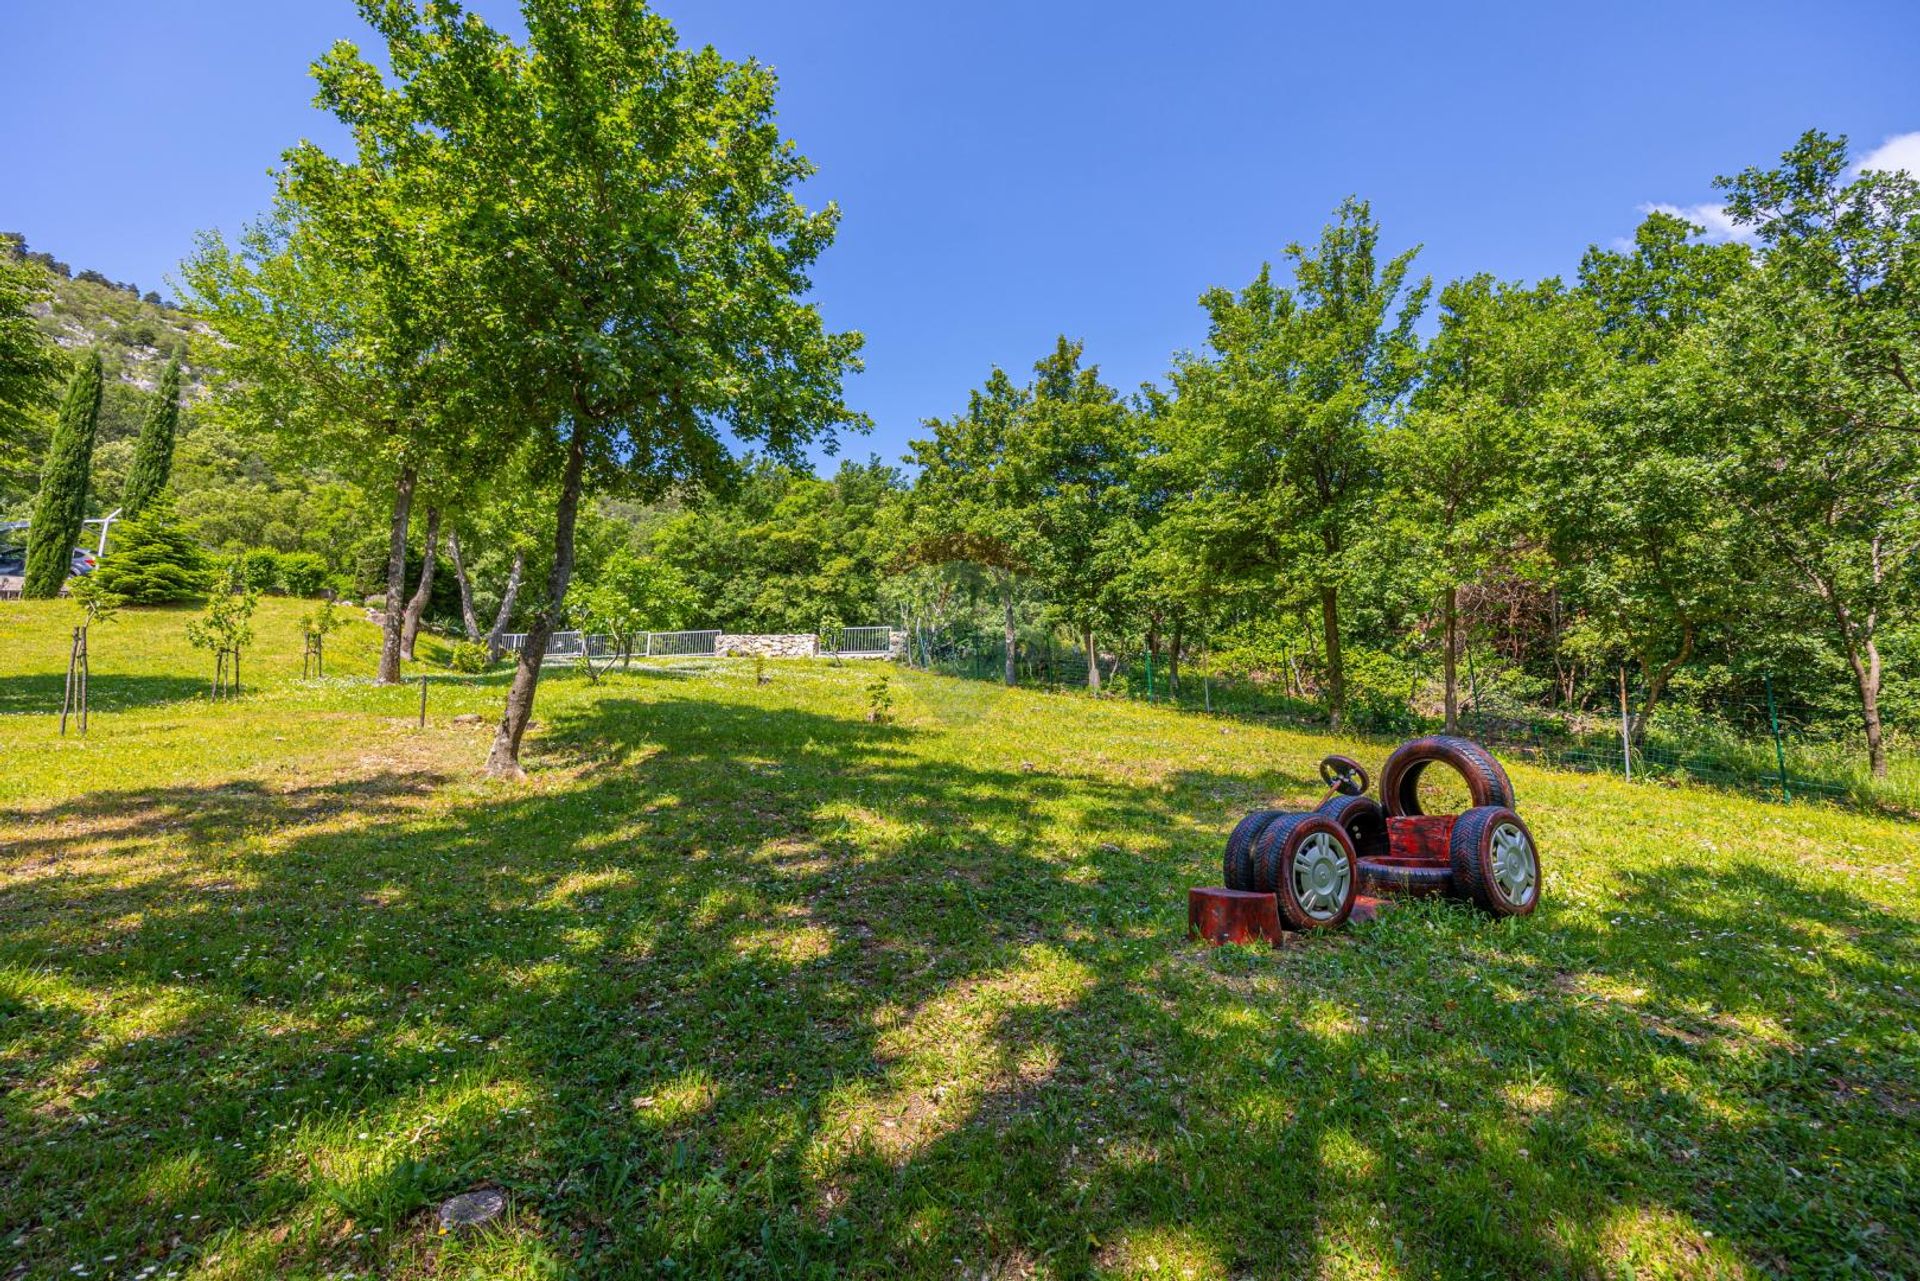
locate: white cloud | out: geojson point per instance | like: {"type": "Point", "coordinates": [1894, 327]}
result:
{"type": "Point", "coordinates": [1718, 223]}
{"type": "Point", "coordinates": [1902, 151]}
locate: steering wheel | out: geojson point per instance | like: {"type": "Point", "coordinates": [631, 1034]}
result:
{"type": "Point", "coordinates": [1344, 775]}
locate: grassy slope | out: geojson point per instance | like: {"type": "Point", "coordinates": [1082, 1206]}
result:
{"type": "Point", "coordinates": [743, 982]}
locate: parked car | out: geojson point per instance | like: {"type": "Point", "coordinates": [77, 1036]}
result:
{"type": "Point", "coordinates": [13, 562]}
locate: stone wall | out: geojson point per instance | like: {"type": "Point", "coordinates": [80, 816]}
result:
{"type": "Point", "coordinates": [807, 646]}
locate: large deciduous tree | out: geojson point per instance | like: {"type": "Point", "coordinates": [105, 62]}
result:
{"type": "Point", "coordinates": [28, 363]}
{"type": "Point", "coordinates": [1076, 442]}
{"type": "Point", "coordinates": [61, 508]}
{"type": "Point", "coordinates": [331, 362]}
{"type": "Point", "coordinates": [975, 499]}
{"type": "Point", "coordinates": [1455, 467]}
{"type": "Point", "coordinates": [633, 253]}
{"type": "Point", "coordinates": [1280, 418]}
{"type": "Point", "coordinates": [1643, 547]}
{"type": "Point", "coordinates": [1809, 378]}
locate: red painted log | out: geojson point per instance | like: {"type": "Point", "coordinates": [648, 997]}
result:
{"type": "Point", "coordinates": [1232, 916]}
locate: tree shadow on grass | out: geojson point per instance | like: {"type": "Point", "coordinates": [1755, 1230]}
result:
{"type": "Point", "coordinates": [42, 694]}
{"type": "Point", "coordinates": [763, 990]}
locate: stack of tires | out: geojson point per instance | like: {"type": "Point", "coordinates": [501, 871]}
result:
{"type": "Point", "coordinates": [1317, 863]}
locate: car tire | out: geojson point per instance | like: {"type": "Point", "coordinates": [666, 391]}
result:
{"type": "Point", "coordinates": [1306, 861]}
{"type": "Point", "coordinates": [1365, 821]}
{"type": "Point", "coordinates": [1495, 862]}
{"type": "Point", "coordinates": [1236, 869]}
{"type": "Point", "coordinates": [1407, 880]}
{"type": "Point", "coordinates": [1487, 781]}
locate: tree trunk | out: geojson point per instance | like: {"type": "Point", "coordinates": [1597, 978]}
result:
{"type": "Point", "coordinates": [424, 592]}
{"type": "Point", "coordinates": [1336, 677]}
{"type": "Point", "coordinates": [1866, 677]}
{"type": "Point", "coordinates": [1093, 662]}
{"type": "Point", "coordinates": [1657, 683]}
{"type": "Point", "coordinates": [507, 598]}
{"type": "Point", "coordinates": [504, 760]}
{"type": "Point", "coordinates": [1006, 598]}
{"type": "Point", "coordinates": [468, 619]}
{"type": "Point", "coordinates": [1449, 664]}
{"type": "Point", "coordinates": [389, 673]}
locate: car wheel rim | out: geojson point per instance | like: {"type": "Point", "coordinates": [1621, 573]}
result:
{"type": "Point", "coordinates": [1515, 870]}
{"type": "Point", "coordinates": [1320, 877]}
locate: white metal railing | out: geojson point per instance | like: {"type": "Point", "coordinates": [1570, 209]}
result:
{"type": "Point", "coordinates": [865, 642]}
{"type": "Point", "coordinates": [678, 644]}
{"type": "Point", "coordinates": [567, 647]}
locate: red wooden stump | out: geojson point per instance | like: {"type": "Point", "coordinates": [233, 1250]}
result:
{"type": "Point", "coordinates": [1232, 916]}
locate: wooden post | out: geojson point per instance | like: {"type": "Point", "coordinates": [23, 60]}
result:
{"type": "Point", "coordinates": [236, 671]}
{"type": "Point", "coordinates": [83, 679]}
{"type": "Point", "coordinates": [1626, 737]}
{"type": "Point", "coordinates": [423, 702]}
{"type": "Point", "coordinates": [66, 699]}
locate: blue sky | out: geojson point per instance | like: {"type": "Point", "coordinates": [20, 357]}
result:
{"type": "Point", "coordinates": [1012, 171]}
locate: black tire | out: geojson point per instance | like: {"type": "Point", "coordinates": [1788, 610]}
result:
{"type": "Point", "coordinates": [1487, 782]}
{"type": "Point", "coordinates": [1236, 869]}
{"type": "Point", "coordinates": [1334, 872]}
{"type": "Point", "coordinates": [1409, 881]}
{"type": "Point", "coordinates": [1365, 821]}
{"type": "Point", "coordinates": [1495, 861]}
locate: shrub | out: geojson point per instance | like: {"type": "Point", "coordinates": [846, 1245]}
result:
{"type": "Point", "coordinates": [880, 698]}
{"type": "Point", "coordinates": [1380, 690]}
{"type": "Point", "coordinates": [303, 573]}
{"type": "Point", "coordinates": [469, 657]}
{"type": "Point", "coordinates": [260, 569]}
{"type": "Point", "coordinates": [153, 560]}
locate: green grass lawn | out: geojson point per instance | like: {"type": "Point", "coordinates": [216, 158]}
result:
{"type": "Point", "coordinates": [740, 984]}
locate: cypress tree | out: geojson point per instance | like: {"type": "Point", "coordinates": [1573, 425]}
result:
{"type": "Point", "coordinates": [62, 506]}
{"type": "Point", "coordinates": [153, 454]}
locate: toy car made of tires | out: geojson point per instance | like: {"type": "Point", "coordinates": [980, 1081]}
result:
{"type": "Point", "coordinates": [1316, 863]}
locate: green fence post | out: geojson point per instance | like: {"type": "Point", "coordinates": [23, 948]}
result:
{"type": "Point", "coordinates": [1149, 673]}
{"type": "Point", "coordinates": [1779, 749]}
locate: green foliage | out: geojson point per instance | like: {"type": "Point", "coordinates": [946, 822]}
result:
{"type": "Point", "coordinates": [258, 569]}
{"type": "Point", "coordinates": [303, 573]}
{"type": "Point", "coordinates": [1031, 483]}
{"type": "Point", "coordinates": [28, 363]}
{"type": "Point", "coordinates": [322, 620]}
{"type": "Point", "coordinates": [470, 657]}
{"type": "Point", "coordinates": [97, 604]}
{"type": "Point", "coordinates": [1805, 379]}
{"type": "Point", "coordinates": [631, 594]}
{"type": "Point", "coordinates": [226, 625]}
{"type": "Point", "coordinates": [1276, 428]}
{"type": "Point", "coordinates": [783, 548]}
{"type": "Point", "coordinates": [62, 505]}
{"type": "Point", "coordinates": [154, 561]}
{"type": "Point", "coordinates": [153, 454]}
{"type": "Point", "coordinates": [880, 697]}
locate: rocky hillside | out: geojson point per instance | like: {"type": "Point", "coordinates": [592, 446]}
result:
{"type": "Point", "coordinates": [136, 335]}
{"type": "Point", "coordinates": [232, 495]}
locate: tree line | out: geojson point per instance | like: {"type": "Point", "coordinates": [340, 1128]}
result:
{"type": "Point", "coordinates": [549, 319]}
